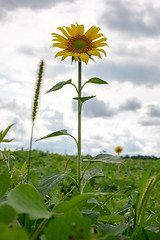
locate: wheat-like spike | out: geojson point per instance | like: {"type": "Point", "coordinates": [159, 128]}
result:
{"type": "Point", "coordinates": [143, 200]}
{"type": "Point", "coordinates": [34, 112]}
{"type": "Point", "coordinates": [37, 91]}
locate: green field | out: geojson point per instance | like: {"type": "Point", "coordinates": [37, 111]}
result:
{"type": "Point", "coordinates": [110, 207]}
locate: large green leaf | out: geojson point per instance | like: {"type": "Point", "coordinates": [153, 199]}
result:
{"type": "Point", "coordinates": [93, 215]}
{"type": "Point", "coordinates": [7, 213]}
{"type": "Point", "coordinates": [105, 158]}
{"type": "Point", "coordinates": [25, 199]}
{"type": "Point", "coordinates": [49, 181]}
{"type": "Point", "coordinates": [113, 230]}
{"type": "Point", "coordinates": [75, 202]}
{"type": "Point", "coordinates": [4, 181]}
{"type": "Point", "coordinates": [83, 99]}
{"type": "Point", "coordinates": [59, 85]}
{"type": "Point", "coordinates": [90, 173]}
{"type": "Point", "coordinates": [12, 233]}
{"type": "Point", "coordinates": [96, 80]}
{"type": "Point", "coordinates": [72, 226]}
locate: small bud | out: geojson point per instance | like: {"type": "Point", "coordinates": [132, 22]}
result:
{"type": "Point", "coordinates": [71, 237]}
{"type": "Point", "coordinates": [74, 225]}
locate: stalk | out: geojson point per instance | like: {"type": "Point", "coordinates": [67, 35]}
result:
{"type": "Point", "coordinates": [30, 150]}
{"type": "Point", "coordinates": [79, 127]}
{"type": "Point", "coordinates": [34, 112]}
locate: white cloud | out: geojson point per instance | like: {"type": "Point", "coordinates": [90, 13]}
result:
{"type": "Point", "coordinates": [126, 111]}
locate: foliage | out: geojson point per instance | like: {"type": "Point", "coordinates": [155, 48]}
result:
{"type": "Point", "coordinates": [109, 208]}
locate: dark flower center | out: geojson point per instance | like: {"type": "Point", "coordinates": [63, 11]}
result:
{"type": "Point", "coordinates": [79, 44]}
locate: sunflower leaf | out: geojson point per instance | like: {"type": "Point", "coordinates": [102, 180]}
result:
{"type": "Point", "coordinates": [49, 181]}
{"type": "Point", "coordinates": [105, 158]}
{"type": "Point", "coordinates": [96, 80]}
{"type": "Point", "coordinates": [54, 134]}
{"type": "Point", "coordinates": [59, 85]}
{"type": "Point", "coordinates": [91, 173]}
{"type": "Point", "coordinates": [83, 99]}
{"type": "Point", "coordinates": [25, 198]}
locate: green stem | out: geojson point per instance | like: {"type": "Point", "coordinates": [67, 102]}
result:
{"type": "Point", "coordinates": [79, 126]}
{"type": "Point", "coordinates": [29, 156]}
{"type": "Point", "coordinates": [39, 229]}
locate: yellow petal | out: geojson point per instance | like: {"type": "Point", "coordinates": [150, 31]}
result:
{"type": "Point", "coordinates": [71, 31]}
{"type": "Point", "coordinates": [59, 45]}
{"type": "Point", "coordinates": [101, 50]}
{"type": "Point", "coordinates": [92, 32]}
{"type": "Point", "coordinates": [96, 36]}
{"type": "Point", "coordinates": [60, 53]}
{"type": "Point", "coordinates": [95, 53]}
{"type": "Point", "coordinates": [80, 29]}
{"type": "Point", "coordinates": [84, 57]}
{"type": "Point", "coordinates": [99, 44]}
{"type": "Point", "coordinates": [100, 40]}
{"type": "Point", "coordinates": [63, 31]}
{"type": "Point", "coordinates": [76, 57]}
{"type": "Point", "coordinates": [62, 42]}
{"type": "Point", "coordinates": [68, 54]}
{"type": "Point", "coordinates": [59, 37]}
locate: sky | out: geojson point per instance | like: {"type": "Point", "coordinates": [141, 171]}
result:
{"type": "Point", "coordinates": [125, 112]}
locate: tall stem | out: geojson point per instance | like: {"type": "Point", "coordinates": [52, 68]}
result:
{"type": "Point", "coordinates": [29, 155]}
{"type": "Point", "coordinates": [79, 127]}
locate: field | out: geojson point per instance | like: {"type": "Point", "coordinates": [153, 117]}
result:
{"type": "Point", "coordinates": [107, 205]}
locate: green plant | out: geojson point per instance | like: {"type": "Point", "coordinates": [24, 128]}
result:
{"type": "Point", "coordinates": [34, 111]}
{"type": "Point", "coordinates": [80, 47]}
{"type": "Point", "coordinates": [4, 133]}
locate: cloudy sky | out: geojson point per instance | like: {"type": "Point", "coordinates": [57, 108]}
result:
{"type": "Point", "coordinates": [125, 112]}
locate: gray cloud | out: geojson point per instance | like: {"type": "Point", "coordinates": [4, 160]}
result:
{"type": "Point", "coordinates": [150, 122]}
{"type": "Point", "coordinates": [20, 110]}
{"type": "Point", "coordinates": [152, 117]}
{"type": "Point", "coordinates": [131, 104]}
{"type": "Point", "coordinates": [153, 110]}
{"type": "Point", "coordinates": [54, 122]}
{"type": "Point", "coordinates": [96, 108]}
{"type": "Point", "coordinates": [132, 18]}
{"type": "Point", "coordinates": [130, 71]}
{"type": "Point", "coordinates": [36, 4]}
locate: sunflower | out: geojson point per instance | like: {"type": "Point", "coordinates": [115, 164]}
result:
{"type": "Point", "coordinates": [79, 45]}
{"type": "Point", "coordinates": [118, 149]}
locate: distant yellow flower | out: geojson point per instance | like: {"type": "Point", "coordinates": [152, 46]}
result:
{"type": "Point", "coordinates": [118, 149]}
{"type": "Point", "coordinates": [79, 45]}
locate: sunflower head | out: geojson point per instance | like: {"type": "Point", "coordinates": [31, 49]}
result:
{"type": "Point", "coordinates": [118, 149]}
{"type": "Point", "coordinates": [79, 45]}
